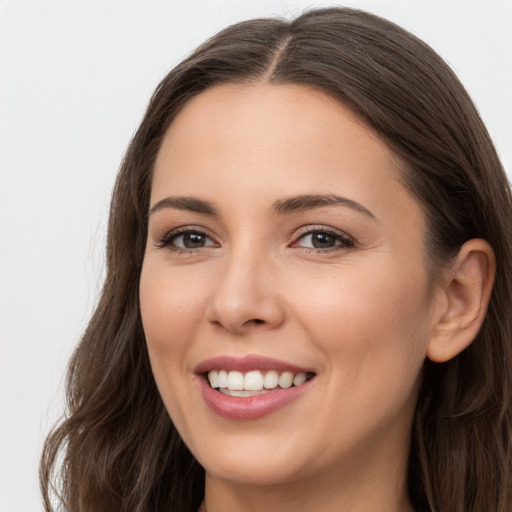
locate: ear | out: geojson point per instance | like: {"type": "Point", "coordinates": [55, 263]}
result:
{"type": "Point", "coordinates": [465, 292]}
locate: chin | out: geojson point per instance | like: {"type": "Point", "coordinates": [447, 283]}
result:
{"type": "Point", "coordinates": [251, 460]}
{"type": "Point", "coordinates": [259, 473]}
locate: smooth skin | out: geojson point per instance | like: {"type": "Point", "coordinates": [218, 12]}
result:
{"type": "Point", "coordinates": [342, 288]}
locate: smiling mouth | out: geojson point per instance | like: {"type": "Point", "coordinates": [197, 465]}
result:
{"type": "Point", "coordinates": [254, 382]}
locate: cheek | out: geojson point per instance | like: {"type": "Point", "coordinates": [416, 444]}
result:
{"type": "Point", "coordinates": [371, 330]}
{"type": "Point", "coordinates": [170, 307]}
{"type": "Point", "coordinates": [368, 321]}
{"type": "Point", "coordinates": [171, 310]}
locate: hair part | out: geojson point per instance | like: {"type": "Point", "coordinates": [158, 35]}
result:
{"type": "Point", "coordinates": [119, 448]}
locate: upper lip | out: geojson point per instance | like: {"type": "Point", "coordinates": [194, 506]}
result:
{"type": "Point", "coordinates": [248, 363]}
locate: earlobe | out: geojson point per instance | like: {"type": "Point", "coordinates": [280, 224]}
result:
{"type": "Point", "coordinates": [466, 291]}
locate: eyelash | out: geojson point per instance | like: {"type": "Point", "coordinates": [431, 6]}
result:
{"type": "Point", "coordinates": [169, 238]}
{"type": "Point", "coordinates": [342, 241]}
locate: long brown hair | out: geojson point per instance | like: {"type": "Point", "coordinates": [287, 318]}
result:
{"type": "Point", "coordinates": [117, 449]}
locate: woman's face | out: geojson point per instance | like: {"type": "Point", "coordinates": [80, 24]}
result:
{"type": "Point", "coordinates": [283, 247]}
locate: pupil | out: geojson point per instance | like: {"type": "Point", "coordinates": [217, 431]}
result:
{"type": "Point", "coordinates": [322, 240]}
{"type": "Point", "coordinates": [193, 240]}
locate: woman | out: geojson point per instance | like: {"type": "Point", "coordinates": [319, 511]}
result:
{"type": "Point", "coordinates": [299, 311]}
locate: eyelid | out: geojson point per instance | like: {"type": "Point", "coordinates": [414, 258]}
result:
{"type": "Point", "coordinates": [166, 240]}
{"type": "Point", "coordinates": [347, 240]}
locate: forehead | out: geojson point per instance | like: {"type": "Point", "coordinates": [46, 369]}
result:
{"type": "Point", "coordinates": [272, 141]}
{"type": "Point", "coordinates": [270, 117]}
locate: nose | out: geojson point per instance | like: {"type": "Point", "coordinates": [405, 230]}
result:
{"type": "Point", "coordinates": [246, 296]}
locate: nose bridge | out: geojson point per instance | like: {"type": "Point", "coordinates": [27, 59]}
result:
{"type": "Point", "coordinates": [246, 294]}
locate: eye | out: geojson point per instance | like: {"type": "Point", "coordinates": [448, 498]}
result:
{"type": "Point", "coordinates": [187, 239]}
{"type": "Point", "coordinates": [323, 240]}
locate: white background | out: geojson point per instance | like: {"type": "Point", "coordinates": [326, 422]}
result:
{"type": "Point", "coordinates": [75, 78]}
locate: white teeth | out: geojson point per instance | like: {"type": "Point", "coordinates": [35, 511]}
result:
{"type": "Point", "coordinates": [223, 379]}
{"type": "Point", "coordinates": [271, 379]}
{"type": "Point", "coordinates": [232, 392]}
{"type": "Point", "coordinates": [286, 379]}
{"type": "Point", "coordinates": [235, 381]}
{"type": "Point", "coordinates": [213, 377]}
{"type": "Point", "coordinates": [299, 379]}
{"type": "Point", "coordinates": [253, 382]}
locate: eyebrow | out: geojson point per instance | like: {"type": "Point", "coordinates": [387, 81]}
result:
{"type": "Point", "coordinates": [190, 204]}
{"type": "Point", "coordinates": [282, 206]}
{"type": "Point", "coordinates": [310, 201]}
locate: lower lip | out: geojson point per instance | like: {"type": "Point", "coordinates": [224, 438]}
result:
{"type": "Point", "coordinates": [249, 407]}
